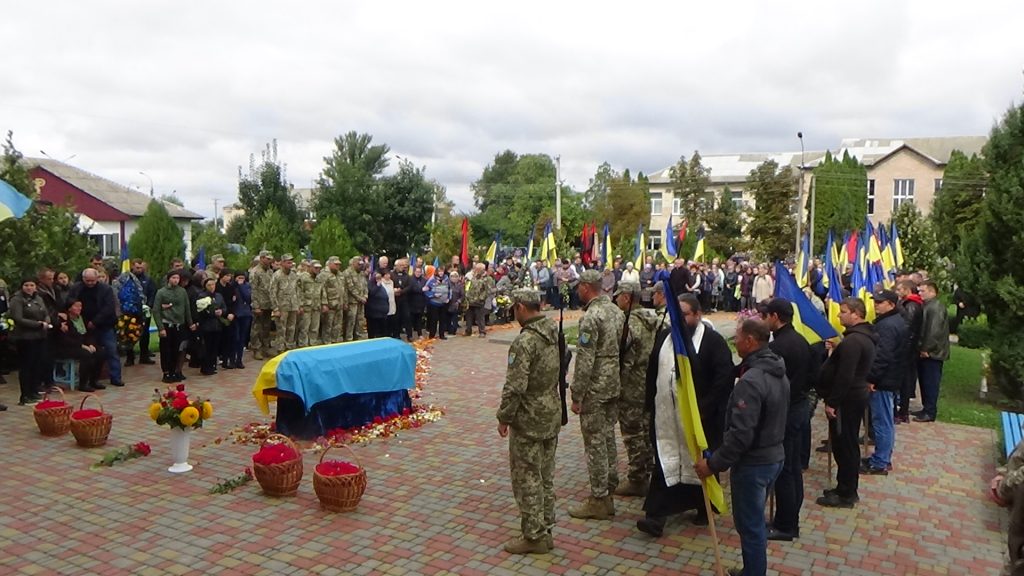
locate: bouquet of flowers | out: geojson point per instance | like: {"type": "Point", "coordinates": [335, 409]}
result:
{"type": "Point", "coordinates": [129, 329]}
{"type": "Point", "coordinates": [6, 326]}
{"type": "Point", "coordinates": [174, 408]}
{"type": "Point", "coordinates": [203, 303]}
{"type": "Point", "coordinates": [137, 450]}
{"type": "Point", "coordinates": [504, 302]}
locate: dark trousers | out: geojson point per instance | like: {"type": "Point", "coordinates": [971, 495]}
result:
{"type": "Point", "coordinates": [89, 364]}
{"type": "Point", "coordinates": [437, 321]}
{"type": "Point", "coordinates": [805, 447]}
{"type": "Point", "coordinates": [47, 360]}
{"type": "Point", "coordinates": [453, 322]}
{"type": "Point", "coordinates": [789, 486]}
{"type": "Point", "coordinates": [170, 347]}
{"type": "Point", "coordinates": [417, 321]}
{"type": "Point", "coordinates": [404, 319]}
{"type": "Point", "coordinates": [475, 317]}
{"type": "Point", "coordinates": [30, 367]}
{"type": "Point", "coordinates": [929, 372]}
{"type": "Point", "coordinates": [392, 327]}
{"type": "Point", "coordinates": [211, 345]}
{"type": "Point", "coordinates": [226, 346]}
{"type": "Point", "coordinates": [144, 353]}
{"type": "Point", "coordinates": [845, 431]}
{"type": "Point", "coordinates": [376, 327]}
{"type": "Point", "coordinates": [909, 388]}
{"type": "Point", "coordinates": [240, 337]}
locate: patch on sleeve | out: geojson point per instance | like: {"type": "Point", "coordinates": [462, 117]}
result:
{"type": "Point", "coordinates": [511, 358]}
{"type": "Point", "coordinates": [585, 339]}
{"type": "Point", "coordinates": [742, 404]}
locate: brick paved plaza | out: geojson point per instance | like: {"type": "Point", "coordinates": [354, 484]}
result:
{"type": "Point", "coordinates": [439, 501]}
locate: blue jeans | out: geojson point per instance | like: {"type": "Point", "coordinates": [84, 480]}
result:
{"type": "Point", "coordinates": [749, 494]}
{"type": "Point", "coordinates": [929, 374]}
{"type": "Point", "coordinates": [240, 337]}
{"type": "Point", "coordinates": [884, 428]}
{"type": "Point", "coordinates": [108, 341]}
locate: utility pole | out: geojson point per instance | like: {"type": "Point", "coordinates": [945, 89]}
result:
{"type": "Point", "coordinates": [800, 197]}
{"type": "Point", "coordinates": [810, 225]}
{"type": "Point", "coordinates": [150, 183]}
{"type": "Point", "coordinates": [558, 192]}
{"type": "Point", "coordinates": [215, 226]}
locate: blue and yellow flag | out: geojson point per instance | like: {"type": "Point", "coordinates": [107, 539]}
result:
{"type": "Point", "coordinates": [698, 252]}
{"type": "Point", "coordinates": [13, 204]}
{"type": "Point", "coordinates": [833, 282]}
{"type": "Point", "coordinates": [492, 250]}
{"type": "Point", "coordinates": [668, 247]}
{"type": "Point", "coordinates": [638, 248]}
{"type": "Point", "coordinates": [201, 259]}
{"type": "Point", "coordinates": [606, 247]}
{"type": "Point", "coordinates": [806, 319]}
{"type": "Point", "coordinates": [803, 262]}
{"type": "Point", "coordinates": [126, 263]}
{"type": "Point", "coordinates": [686, 396]}
{"type": "Point", "coordinates": [437, 262]}
{"type": "Point", "coordinates": [897, 247]}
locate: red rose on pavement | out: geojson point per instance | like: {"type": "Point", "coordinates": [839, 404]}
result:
{"type": "Point", "coordinates": [180, 388]}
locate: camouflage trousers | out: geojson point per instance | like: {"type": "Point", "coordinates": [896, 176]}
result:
{"type": "Point", "coordinates": [330, 326]}
{"type": "Point", "coordinates": [598, 426]}
{"type": "Point", "coordinates": [302, 328]}
{"type": "Point", "coordinates": [532, 463]}
{"type": "Point", "coordinates": [260, 339]}
{"type": "Point", "coordinates": [635, 424]}
{"type": "Point", "coordinates": [354, 323]}
{"type": "Point", "coordinates": [286, 324]}
{"type": "Point", "coordinates": [313, 328]}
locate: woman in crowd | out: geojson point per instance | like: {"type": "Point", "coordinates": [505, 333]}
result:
{"type": "Point", "coordinates": [377, 305]}
{"type": "Point", "coordinates": [437, 293]}
{"type": "Point", "coordinates": [243, 320]}
{"type": "Point", "coordinates": [210, 308]}
{"type": "Point", "coordinates": [416, 300]}
{"type": "Point", "coordinates": [193, 287]}
{"type": "Point", "coordinates": [764, 286]}
{"type": "Point", "coordinates": [61, 286]}
{"type": "Point", "coordinates": [74, 342]}
{"type": "Point", "coordinates": [172, 313]}
{"type": "Point", "coordinates": [227, 291]}
{"type": "Point", "coordinates": [630, 274]}
{"type": "Point", "coordinates": [392, 327]}
{"type": "Point", "coordinates": [31, 326]}
{"type": "Point", "coordinates": [457, 290]}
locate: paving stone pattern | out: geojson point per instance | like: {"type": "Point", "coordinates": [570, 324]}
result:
{"type": "Point", "coordinates": [439, 500]}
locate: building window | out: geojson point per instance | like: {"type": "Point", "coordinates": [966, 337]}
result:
{"type": "Point", "coordinates": [656, 203]}
{"type": "Point", "coordinates": [654, 239]}
{"type": "Point", "coordinates": [938, 185]}
{"type": "Point", "coordinates": [871, 197]}
{"type": "Point", "coordinates": [108, 245]}
{"type": "Point", "coordinates": [677, 206]}
{"type": "Point", "coordinates": [737, 198]}
{"type": "Point", "coordinates": [902, 191]}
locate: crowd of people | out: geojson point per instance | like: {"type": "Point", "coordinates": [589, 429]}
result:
{"type": "Point", "coordinates": [756, 416]}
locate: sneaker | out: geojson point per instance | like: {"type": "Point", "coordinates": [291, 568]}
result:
{"type": "Point", "coordinates": [168, 379]}
{"type": "Point", "coordinates": [873, 470]}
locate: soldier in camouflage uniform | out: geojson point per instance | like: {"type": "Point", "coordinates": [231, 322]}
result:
{"type": "Point", "coordinates": [260, 278]}
{"type": "Point", "coordinates": [531, 416]}
{"type": "Point", "coordinates": [1007, 490]}
{"type": "Point", "coordinates": [595, 393]}
{"type": "Point", "coordinates": [305, 284]}
{"type": "Point", "coordinates": [318, 305]}
{"type": "Point", "coordinates": [284, 297]}
{"type": "Point", "coordinates": [479, 288]}
{"type": "Point", "coordinates": [356, 289]}
{"type": "Point", "coordinates": [634, 421]}
{"type": "Point", "coordinates": [335, 301]}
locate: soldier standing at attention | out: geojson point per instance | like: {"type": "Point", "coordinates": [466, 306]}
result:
{"type": "Point", "coordinates": [284, 297]}
{"type": "Point", "coordinates": [356, 289]}
{"type": "Point", "coordinates": [317, 305]}
{"type": "Point", "coordinates": [260, 278]}
{"type": "Point", "coordinates": [305, 284]}
{"type": "Point", "coordinates": [595, 393]}
{"type": "Point", "coordinates": [530, 416]}
{"type": "Point", "coordinates": [634, 421]}
{"type": "Point", "coordinates": [335, 300]}
{"type": "Point", "coordinates": [1006, 491]}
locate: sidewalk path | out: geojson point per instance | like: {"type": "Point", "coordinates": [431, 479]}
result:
{"type": "Point", "coordinates": [439, 500]}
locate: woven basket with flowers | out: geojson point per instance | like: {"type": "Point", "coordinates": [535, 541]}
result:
{"type": "Point", "coordinates": [338, 484]}
{"type": "Point", "coordinates": [278, 466]}
{"type": "Point", "coordinates": [90, 426]}
{"type": "Point", "coordinates": [53, 417]}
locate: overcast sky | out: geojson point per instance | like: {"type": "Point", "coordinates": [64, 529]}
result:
{"type": "Point", "coordinates": [185, 91]}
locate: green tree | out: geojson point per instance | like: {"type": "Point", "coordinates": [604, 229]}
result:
{"type": "Point", "coordinates": [956, 209]}
{"type": "Point", "coordinates": [626, 205]}
{"type": "Point", "coordinates": [517, 192]}
{"type": "Point", "coordinates": [448, 237]}
{"type": "Point", "coordinates": [44, 236]}
{"type": "Point", "coordinates": [772, 226]}
{"type": "Point", "coordinates": [917, 238]}
{"type": "Point", "coordinates": [265, 187]}
{"type": "Point", "coordinates": [840, 191]}
{"type": "Point", "coordinates": [597, 189]}
{"type": "Point", "coordinates": [406, 201]}
{"type": "Point", "coordinates": [725, 226]}
{"type": "Point", "coordinates": [347, 188]}
{"type": "Point", "coordinates": [990, 267]}
{"type": "Point", "coordinates": [272, 232]}
{"type": "Point", "coordinates": [210, 239]}
{"type": "Point", "coordinates": [158, 239]}
{"type": "Point", "coordinates": [238, 229]}
{"type": "Point", "coordinates": [172, 198]}
{"type": "Point", "coordinates": [689, 183]}
{"type": "Point", "coordinates": [329, 238]}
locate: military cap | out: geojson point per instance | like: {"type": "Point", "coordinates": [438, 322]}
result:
{"type": "Point", "coordinates": [217, 257]}
{"type": "Point", "coordinates": [658, 287]}
{"type": "Point", "coordinates": [286, 257]}
{"type": "Point", "coordinates": [627, 288]}
{"type": "Point", "coordinates": [266, 254]}
{"type": "Point", "coordinates": [525, 296]}
{"type": "Point", "coordinates": [885, 296]}
{"type": "Point", "coordinates": [317, 264]}
{"type": "Point", "coordinates": [590, 277]}
{"type": "Point", "coordinates": [334, 260]}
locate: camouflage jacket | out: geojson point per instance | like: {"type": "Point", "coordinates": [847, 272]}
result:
{"type": "Point", "coordinates": [478, 290]}
{"type": "Point", "coordinates": [284, 291]}
{"type": "Point", "coordinates": [260, 279]}
{"type": "Point", "coordinates": [596, 376]}
{"type": "Point", "coordinates": [530, 404]}
{"type": "Point", "coordinates": [310, 291]}
{"type": "Point", "coordinates": [334, 288]}
{"type": "Point", "coordinates": [354, 286]}
{"type": "Point", "coordinates": [643, 327]}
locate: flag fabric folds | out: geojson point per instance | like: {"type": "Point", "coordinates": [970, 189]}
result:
{"type": "Point", "coordinates": [529, 245]}
{"type": "Point", "coordinates": [668, 248]}
{"type": "Point", "coordinates": [897, 246]}
{"type": "Point", "coordinates": [548, 253]}
{"type": "Point", "coordinates": [682, 233]}
{"type": "Point", "coordinates": [806, 319]}
{"type": "Point", "coordinates": [686, 396]}
{"type": "Point", "coordinates": [464, 255]}
{"type": "Point", "coordinates": [606, 247]}
{"type": "Point", "coordinates": [13, 204]}
{"type": "Point", "coordinates": [492, 250]}
{"type": "Point", "coordinates": [803, 262]}
{"type": "Point", "coordinates": [201, 259]}
{"type": "Point", "coordinates": [638, 249]}
{"type": "Point", "coordinates": [698, 253]}
{"type": "Point", "coordinates": [126, 264]}
{"type": "Point", "coordinates": [437, 263]}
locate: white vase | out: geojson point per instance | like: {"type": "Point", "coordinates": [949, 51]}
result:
{"type": "Point", "coordinates": [179, 450]}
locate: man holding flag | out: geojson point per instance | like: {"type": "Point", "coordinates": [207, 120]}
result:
{"type": "Point", "coordinates": [755, 427]}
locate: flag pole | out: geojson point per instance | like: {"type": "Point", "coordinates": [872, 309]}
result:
{"type": "Point", "coordinates": [719, 570]}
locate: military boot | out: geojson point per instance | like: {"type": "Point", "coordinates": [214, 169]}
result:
{"type": "Point", "coordinates": [609, 505]}
{"type": "Point", "coordinates": [549, 540]}
{"type": "Point", "coordinates": [523, 546]}
{"type": "Point", "coordinates": [631, 488]}
{"type": "Point", "coordinates": [596, 508]}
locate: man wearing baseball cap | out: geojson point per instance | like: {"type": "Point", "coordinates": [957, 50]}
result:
{"type": "Point", "coordinates": [885, 379]}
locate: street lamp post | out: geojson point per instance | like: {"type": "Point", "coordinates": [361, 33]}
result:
{"type": "Point", "coordinates": [150, 182]}
{"type": "Point", "coordinates": [43, 152]}
{"type": "Point", "coordinates": [800, 197]}
{"type": "Point", "coordinates": [558, 192]}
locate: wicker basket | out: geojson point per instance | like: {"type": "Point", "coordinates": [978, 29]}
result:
{"type": "Point", "coordinates": [54, 421]}
{"type": "Point", "coordinates": [92, 432]}
{"type": "Point", "coordinates": [279, 479]}
{"type": "Point", "coordinates": [340, 493]}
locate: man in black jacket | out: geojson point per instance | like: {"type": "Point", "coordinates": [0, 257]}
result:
{"type": "Point", "coordinates": [845, 389]}
{"type": "Point", "coordinates": [885, 379]}
{"type": "Point", "coordinates": [796, 353]}
{"type": "Point", "coordinates": [911, 307]}
{"type": "Point", "coordinates": [100, 314]}
{"type": "Point", "coordinates": [753, 444]}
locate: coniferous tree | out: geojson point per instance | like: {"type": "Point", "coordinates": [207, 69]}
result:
{"type": "Point", "coordinates": [329, 238]}
{"type": "Point", "coordinates": [158, 239]}
{"type": "Point", "coordinates": [840, 190]}
{"type": "Point", "coordinates": [689, 184]}
{"type": "Point", "coordinates": [272, 232]}
{"type": "Point", "coordinates": [725, 226]}
{"type": "Point", "coordinates": [957, 206]}
{"type": "Point", "coordinates": [772, 226]}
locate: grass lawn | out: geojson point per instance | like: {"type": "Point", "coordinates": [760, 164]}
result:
{"type": "Point", "coordinates": [958, 398]}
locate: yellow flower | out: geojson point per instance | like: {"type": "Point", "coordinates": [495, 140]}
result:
{"type": "Point", "coordinates": [207, 410]}
{"type": "Point", "coordinates": [154, 410]}
{"type": "Point", "coordinates": [189, 416]}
